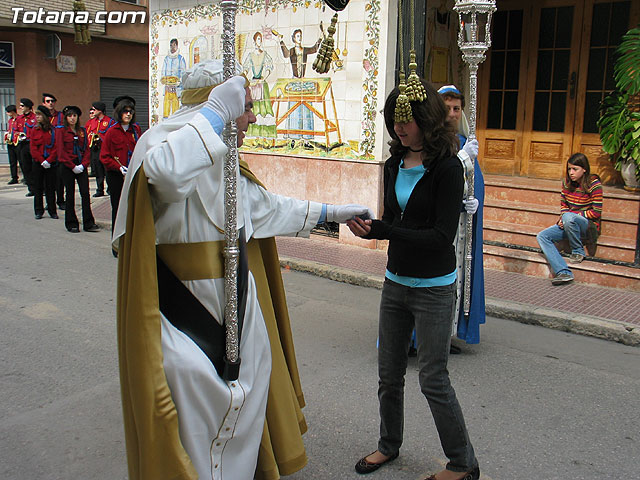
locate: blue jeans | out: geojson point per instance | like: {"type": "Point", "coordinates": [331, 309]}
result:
{"type": "Point", "coordinates": [575, 226]}
{"type": "Point", "coordinates": [430, 310]}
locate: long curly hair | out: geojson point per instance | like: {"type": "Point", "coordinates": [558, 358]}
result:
{"type": "Point", "coordinates": [439, 138]}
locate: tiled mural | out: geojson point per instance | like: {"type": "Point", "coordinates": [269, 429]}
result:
{"type": "Point", "coordinates": [299, 111]}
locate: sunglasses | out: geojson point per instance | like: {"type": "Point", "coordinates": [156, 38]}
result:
{"type": "Point", "coordinates": [49, 101]}
{"type": "Point", "coordinates": [127, 110]}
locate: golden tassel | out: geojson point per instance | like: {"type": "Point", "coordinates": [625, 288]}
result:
{"type": "Point", "coordinates": [324, 57]}
{"type": "Point", "coordinates": [402, 113]}
{"type": "Point", "coordinates": [415, 90]}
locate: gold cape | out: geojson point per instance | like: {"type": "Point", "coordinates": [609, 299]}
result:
{"type": "Point", "coordinates": [154, 450]}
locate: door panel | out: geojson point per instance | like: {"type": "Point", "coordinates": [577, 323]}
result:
{"type": "Point", "coordinates": [551, 88]}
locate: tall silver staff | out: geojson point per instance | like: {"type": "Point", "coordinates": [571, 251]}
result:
{"type": "Point", "coordinates": [231, 250]}
{"type": "Point", "coordinates": [474, 39]}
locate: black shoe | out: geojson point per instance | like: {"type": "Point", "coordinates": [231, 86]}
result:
{"type": "Point", "coordinates": [38, 216]}
{"type": "Point", "coordinates": [13, 181]}
{"type": "Point", "coordinates": [98, 194]}
{"type": "Point", "coordinates": [454, 350]}
{"type": "Point", "coordinates": [92, 228]}
{"type": "Point", "coordinates": [29, 194]}
{"type": "Point", "coordinates": [54, 216]}
{"type": "Point", "coordinates": [114, 252]}
{"type": "Point", "coordinates": [365, 467]}
{"type": "Point", "coordinates": [61, 206]}
{"type": "Point", "coordinates": [73, 229]}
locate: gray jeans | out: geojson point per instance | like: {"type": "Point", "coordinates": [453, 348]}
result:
{"type": "Point", "coordinates": [431, 311]}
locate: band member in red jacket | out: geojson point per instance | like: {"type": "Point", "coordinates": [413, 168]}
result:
{"type": "Point", "coordinates": [73, 154]}
{"type": "Point", "coordinates": [12, 113]}
{"type": "Point", "coordinates": [45, 163]}
{"type": "Point", "coordinates": [118, 146]}
{"type": "Point", "coordinates": [49, 101]}
{"type": "Point", "coordinates": [97, 128]}
{"type": "Point", "coordinates": [22, 134]}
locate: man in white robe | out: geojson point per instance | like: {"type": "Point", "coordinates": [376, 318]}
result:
{"type": "Point", "coordinates": [216, 428]}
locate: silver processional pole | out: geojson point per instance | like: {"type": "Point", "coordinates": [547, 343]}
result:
{"type": "Point", "coordinates": [474, 39]}
{"type": "Point", "coordinates": [231, 250]}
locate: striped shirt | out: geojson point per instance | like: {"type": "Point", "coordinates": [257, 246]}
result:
{"type": "Point", "coordinates": [585, 203]}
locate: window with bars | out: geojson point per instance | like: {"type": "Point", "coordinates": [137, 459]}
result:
{"type": "Point", "coordinates": [609, 23]}
{"type": "Point", "coordinates": [504, 74]}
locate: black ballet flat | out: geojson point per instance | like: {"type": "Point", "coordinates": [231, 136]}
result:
{"type": "Point", "coordinates": [470, 475]}
{"type": "Point", "coordinates": [364, 467]}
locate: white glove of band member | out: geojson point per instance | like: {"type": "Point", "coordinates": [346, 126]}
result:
{"type": "Point", "coordinates": [78, 169]}
{"type": "Point", "coordinates": [471, 147]}
{"type": "Point", "coordinates": [227, 99]}
{"type": "Point", "coordinates": [342, 213]}
{"type": "Point", "coordinates": [46, 164]}
{"type": "Point", "coordinates": [471, 206]}
{"type": "Point", "coordinates": [123, 170]}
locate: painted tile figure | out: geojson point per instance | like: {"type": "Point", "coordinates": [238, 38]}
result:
{"type": "Point", "coordinates": [258, 65]}
{"type": "Point", "coordinates": [302, 117]}
{"type": "Point", "coordinates": [172, 70]}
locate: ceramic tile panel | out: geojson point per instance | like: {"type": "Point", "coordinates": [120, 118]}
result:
{"type": "Point", "coordinates": [276, 41]}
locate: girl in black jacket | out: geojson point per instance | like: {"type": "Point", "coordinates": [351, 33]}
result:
{"type": "Point", "coordinates": [423, 188]}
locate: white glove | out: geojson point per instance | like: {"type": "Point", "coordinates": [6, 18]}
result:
{"type": "Point", "coordinates": [78, 169]}
{"type": "Point", "coordinates": [46, 164]}
{"type": "Point", "coordinates": [471, 147]}
{"type": "Point", "coordinates": [342, 213]}
{"type": "Point", "coordinates": [471, 206]}
{"type": "Point", "coordinates": [123, 170]}
{"type": "Point", "coordinates": [227, 99]}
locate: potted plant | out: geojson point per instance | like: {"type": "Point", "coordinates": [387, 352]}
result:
{"type": "Point", "coordinates": [619, 121]}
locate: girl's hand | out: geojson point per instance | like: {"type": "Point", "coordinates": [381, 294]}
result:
{"type": "Point", "coordinates": [560, 224]}
{"type": "Point", "coordinates": [359, 227]}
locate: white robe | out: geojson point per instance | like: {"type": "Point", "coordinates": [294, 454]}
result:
{"type": "Point", "coordinates": [220, 422]}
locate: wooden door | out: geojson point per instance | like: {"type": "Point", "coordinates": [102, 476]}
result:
{"type": "Point", "coordinates": [550, 96]}
{"type": "Point", "coordinates": [549, 67]}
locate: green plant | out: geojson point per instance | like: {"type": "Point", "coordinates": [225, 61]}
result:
{"type": "Point", "coordinates": [619, 121]}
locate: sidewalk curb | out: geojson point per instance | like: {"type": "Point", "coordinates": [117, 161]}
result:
{"type": "Point", "coordinates": [624, 333]}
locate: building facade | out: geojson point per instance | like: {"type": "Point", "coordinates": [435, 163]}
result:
{"type": "Point", "coordinates": [45, 58]}
{"type": "Point", "coordinates": [322, 137]}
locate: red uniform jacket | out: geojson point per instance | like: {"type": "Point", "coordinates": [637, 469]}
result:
{"type": "Point", "coordinates": [98, 126]}
{"type": "Point", "coordinates": [24, 124]}
{"type": "Point", "coordinates": [56, 118]}
{"type": "Point", "coordinates": [72, 149]}
{"type": "Point", "coordinates": [43, 145]}
{"type": "Point", "coordinates": [8, 135]}
{"type": "Point", "coordinates": [118, 146]}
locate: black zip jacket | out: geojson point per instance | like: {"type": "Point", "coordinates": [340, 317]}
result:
{"type": "Point", "coordinates": [421, 238]}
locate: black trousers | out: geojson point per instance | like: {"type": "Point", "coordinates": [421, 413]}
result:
{"type": "Point", "coordinates": [44, 183]}
{"type": "Point", "coordinates": [70, 179]}
{"type": "Point", "coordinates": [26, 163]}
{"type": "Point", "coordinates": [13, 161]}
{"type": "Point", "coordinates": [97, 167]}
{"type": "Point", "coordinates": [115, 180]}
{"type": "Point", "coordinates": [60, 189]}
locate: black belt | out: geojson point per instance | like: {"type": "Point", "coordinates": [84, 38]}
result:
{"type": "Point", "coordinates": [185, 312]}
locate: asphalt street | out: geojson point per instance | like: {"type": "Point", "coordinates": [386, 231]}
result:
{"type": "Point", "coordinates": [538, 403]}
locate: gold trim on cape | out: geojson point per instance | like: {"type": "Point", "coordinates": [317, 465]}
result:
{"type": "Point", "coordinates": [154, 449]}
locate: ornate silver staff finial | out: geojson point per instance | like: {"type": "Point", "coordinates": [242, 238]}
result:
{"type": "Point", "coordinates": [474, 39]}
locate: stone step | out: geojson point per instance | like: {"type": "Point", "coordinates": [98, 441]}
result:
{"type": "Point", "coordinates": [614, 224]}
{"type": "Point", "coordinates": [608, 247]}
{"type": "Point", "coordinates": [547, 192]}
{"type": "Point", "coordinates": [535, 264]}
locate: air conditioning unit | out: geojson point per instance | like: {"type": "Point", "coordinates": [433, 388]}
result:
{"type": "Point", "coordinates": [53, 47]}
